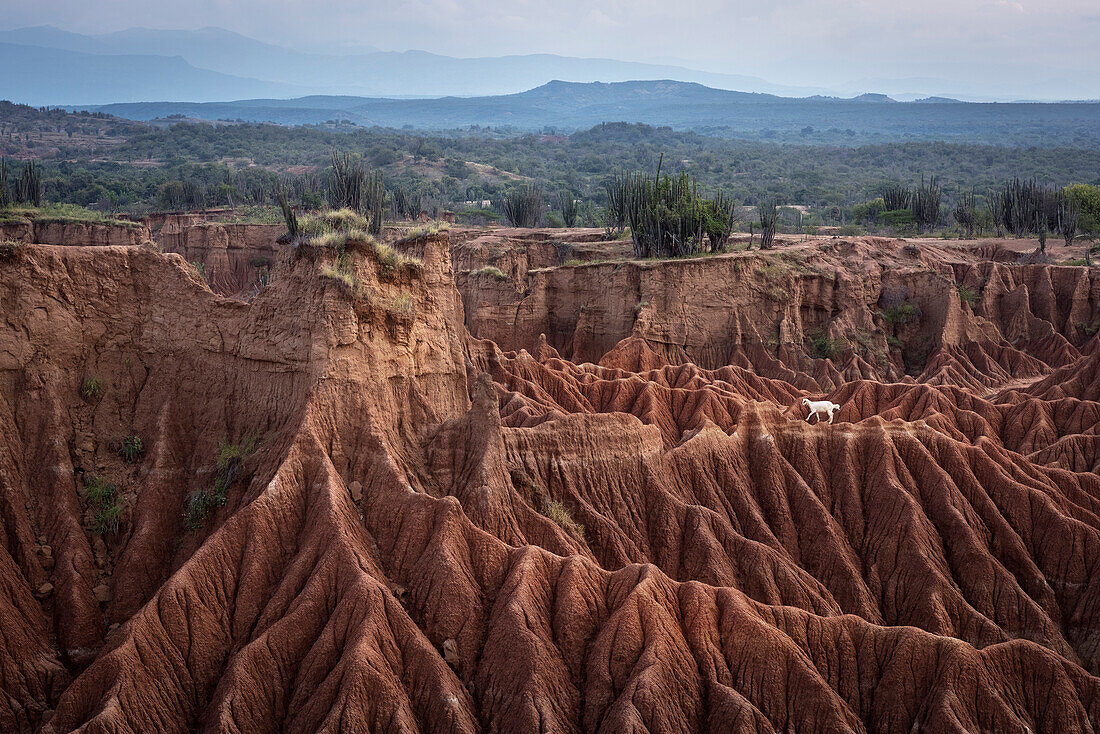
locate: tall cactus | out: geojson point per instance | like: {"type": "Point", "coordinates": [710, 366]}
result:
{"type": "Point", "coordinates": [5, 198]}
{"type": "Point", "coordinates": [1067, 216]}
{"type": "Point", "coordinates": [374, 197]}
{"type": "Point", "coordinates": [896, 197]}
{"type": "Point", "coordinates": [617, 192]}
{"type": "Point", "coordinates": [289, 216]}
{"type": "Point", "coordinates": [345, 182]}
{"type": "Point", "coordinates": [926, 203]}
{"type": "Point", "coordinates": [768, 211]}
{"type": "Point", "coordinates": [965, 215]}
{"type": "Point", "coordinates": [524, 206]}
{"type": "Point", "coordinates": [568, 208]}
{"type": "Point", "coordinates": [28, 190]}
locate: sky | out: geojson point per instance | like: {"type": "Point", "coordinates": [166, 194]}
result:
{"type": "Point", "coordinates": [983, 45]}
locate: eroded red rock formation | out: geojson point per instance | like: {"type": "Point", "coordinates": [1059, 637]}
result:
{"type": "Point", "coordinates": [629, 527]}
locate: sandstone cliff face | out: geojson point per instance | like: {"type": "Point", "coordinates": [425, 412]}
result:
{"type": "Point", "coordinates": [433, 534]}
{"type": "Point", "coordinates": [74, 233]}
{"type": "Point", "coordinates": [884, 309]}
{"type": "Point", "coordinates": [235, 258]}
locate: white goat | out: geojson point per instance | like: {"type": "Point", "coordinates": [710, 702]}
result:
{"type": "Point", "coordinates": [820, 408]}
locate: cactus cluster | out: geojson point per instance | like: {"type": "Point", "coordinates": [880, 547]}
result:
{"type": "Point", "coordinates": [667, 215]}
{"type": "Point", "coordinates": [523, 206]}
{"type": "Point", "coordinates": [353, 187]}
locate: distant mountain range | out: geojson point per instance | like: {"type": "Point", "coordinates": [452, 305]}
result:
{"type": "Point", "coordinates": [214, 74]}
{"type": "Point", "coordinates": [570, 106]}
{"type": "Point", "coordinates": [557, 104]}
{"type": "Point", "coordinates": [212, 64]}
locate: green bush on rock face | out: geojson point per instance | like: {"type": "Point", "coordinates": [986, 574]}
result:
{"type": "Point", "coordinates": [967, 294]}
{"type": "Point", "coordinates": [821, 346]}
{"type": "Point", "coordinates": [901, 313]}
{"type": "Point", "coordinates": [92, 388]}
{"type": "Point", "coordinates": [560, 514]}
{"type": "Point", "coordinates": [201, 502]}
{"type": "Point", "coordinates": [492, 271]}
{"type": "Point", "coordinates": [131, 448]}
{"type": "Point", "coordinates": [106, 503]}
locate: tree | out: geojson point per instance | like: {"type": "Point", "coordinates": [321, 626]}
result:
{"type": "Point", "coordinates": [995, 205]}
{"type": "Point", "coordinates": [289, 216]}
{"type": "Point", "coordinates": [1086, 198]}
{"type": "Point", "coordinates": [666, 214]}
{"type": "Point", "coordinates": [868, 211]}
{"type": "Point", "coordinates": [374, 198]}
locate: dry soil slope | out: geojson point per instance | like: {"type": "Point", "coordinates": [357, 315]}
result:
{"type": "Point", "coordinates": [383, 561]}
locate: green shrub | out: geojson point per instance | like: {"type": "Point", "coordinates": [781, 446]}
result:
{"type": "Point", "coordinates": [402, 306]}
{"type": "Point", "coordinates": [967, 294]}
{"type": "Point", "coordinates": [92, 388]}
{"type": "Point", "coordinates": [106, 503]}
{"type": "Point", "coordinates": [62, 214]}
{"type": "Point", "coordinates": [424, 230]}
{"type": "Point", "coordinates": [337, 239]}
{"type": "Point", "coordinates": [230, 452]}
{"type": "Point", "coordinates": [336, 272]}
{"type": "Point", "coordinates": [254, 214]}
{"type": "Point", "coordinates": [560, 514]}
{"type": "Point", "coordinates": [196, 509]}
{"type": "Point", "coordinates": [492, 271]}
{"type": "Point", "coordinates": [332, 220]}
{"type": "Point", "coordinates": [899, 218]}
{"type": "Point", "coordinates": [202, 501]}
{"type": "Point", "coordinates": [477, 216]}
{"type": "Point", "coordinates": [901, 313]}
{"type": "Point", "coordinates": [220, 494]}
{"type": "Point", "coordinates": [131, 448]}
{"type": "Point", "coordinates": [821, 346]}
